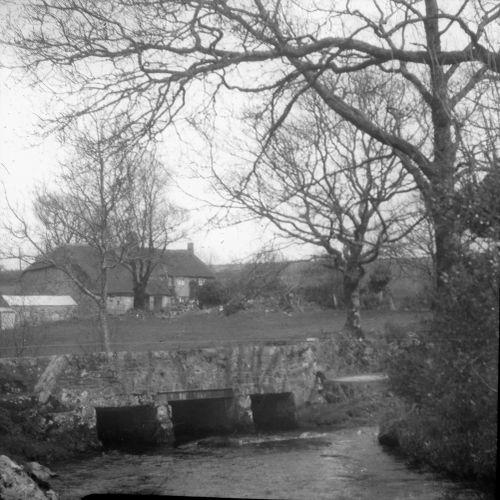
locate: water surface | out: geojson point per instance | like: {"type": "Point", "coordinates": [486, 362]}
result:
{"type": "Point", "coordinates": [334, 465]}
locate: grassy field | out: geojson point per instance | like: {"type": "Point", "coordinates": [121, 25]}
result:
{"type": "Point", "coordinates": [196, 328]}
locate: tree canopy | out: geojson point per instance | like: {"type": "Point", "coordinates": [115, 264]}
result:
{"type": "Point", "coordinates": [149, 60]}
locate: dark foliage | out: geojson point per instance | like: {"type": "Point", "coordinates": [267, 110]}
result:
{"type": "Point", "coordinates": [212, 293]}
{"type": "Point", "coordinates": [235, 304]}
{"type": "Point", "coordinates": [376, 288]}
{"type": "Point", "coordinates": [446, 376]}
{"type": "Point", "coordinates": [478, 205]}
{"type": "Point", "coordinates": [379, 278]}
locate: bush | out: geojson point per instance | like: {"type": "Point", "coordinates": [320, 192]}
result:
{"type": "Point", "coordinates": [212, 293]}
{"type": "Point", "coordinates": [372, 295]}
{"type": "Point", "coordinates": [446, 376]}
{"type": "Point", "coordinates": [237, 303]}
{"type": "Point", "coordinates": [379, 278]}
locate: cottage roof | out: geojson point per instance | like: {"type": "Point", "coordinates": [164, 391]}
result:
{"type": "Point", "coordinates": [183, 263]}
{"type": "Point", "coordinates": [84, 262]}
{"type": "Point", "coordinates": [9, 282]}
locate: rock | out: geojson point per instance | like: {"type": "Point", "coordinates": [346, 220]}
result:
{"type": "Point", "coordinates": [39, 473]}
{"type": "Point", "coordinates": [48, 379]}
{"type": "Point", "coordinates": [16, 484]}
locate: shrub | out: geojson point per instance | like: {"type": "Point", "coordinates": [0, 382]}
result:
{"type": "Point", "coordinates": [212, 293]}
{"type": "Point", "coordinates": [237, 303]}
{"type": "Point", "coordinates": [371, 295]}
{"type": "Point", "coordinates": [379, 278]}
{"type": "Point", "coordinates": [446, 376]}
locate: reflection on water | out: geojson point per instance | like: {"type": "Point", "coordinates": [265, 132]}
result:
{"type": "Point", "coordinates": [345, 464]}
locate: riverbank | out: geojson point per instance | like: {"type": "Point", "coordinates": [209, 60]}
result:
{"type": "Point", "coordinates": [415, 435]}
{"type": "Point", "coordinates": [24, 436]}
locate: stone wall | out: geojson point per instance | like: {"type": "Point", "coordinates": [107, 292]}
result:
{"type": "Point", "coordinates": [75, 385]}
{"type": "Point", "coordinates": [35, 315]}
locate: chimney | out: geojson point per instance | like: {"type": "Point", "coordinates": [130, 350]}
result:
{"type": "Point", "coordinates": [191, 248]}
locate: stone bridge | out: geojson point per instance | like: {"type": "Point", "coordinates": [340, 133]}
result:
{"type": "Point", "coordinates": [165, 395]}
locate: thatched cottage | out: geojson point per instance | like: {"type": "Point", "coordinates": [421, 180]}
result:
{"type": "Point", "coordinates": [175, 277]}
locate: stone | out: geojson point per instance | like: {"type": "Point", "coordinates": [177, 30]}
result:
{"type": "Point", "coordinates": [16, 484]}
{"type": "Point", "coordinates": [39, 473]}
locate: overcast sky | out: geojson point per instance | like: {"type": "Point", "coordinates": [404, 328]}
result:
{"type": "Point", "coordinates": [27, 158]}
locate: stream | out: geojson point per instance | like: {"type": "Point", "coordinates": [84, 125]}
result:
{"type": "Point", "coordinates": [341, 464]}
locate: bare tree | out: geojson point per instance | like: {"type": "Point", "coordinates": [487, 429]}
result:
{"type": "Point", "coordinates": [323, 182]}
{"type": "Point", "coordinates": [92, 188]}
{"type": "Point", "coordinates": [151, 223]}
{"type": "Point", "coordinates": [260, 277]}
{"type": "Point", "coordinates": [415, 251]}
{"type": "Point", "coordinates": [150, 54]}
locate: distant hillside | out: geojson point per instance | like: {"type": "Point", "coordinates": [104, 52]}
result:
{"type": "Point", "coordinates": [225, 272]}
{"type": "Point", "coordinates": [410, 282]}
{"type": "Point", "coordinates": [296, 274]}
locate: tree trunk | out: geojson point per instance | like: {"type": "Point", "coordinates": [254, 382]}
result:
{"type": "Point", "coordinates": [447, 257]}
{"type": "Point", "coordinates": [140, 297]}
{"type": "Point", "coordinates": [441, 197]}
{"type": "Point", "coordinates": [105, 335]}
{"type": "Point", "coordinates": [447, 248]}
{"type": "Point", "coordinates": [443, 211]}
{"type": "Point", "coordinates": [352, 279]}
{"type": "Point", "coordinates": [103, 310]}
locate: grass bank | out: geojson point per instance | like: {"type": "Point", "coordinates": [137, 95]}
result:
{"type": "Point", "coordinates": [196, 328]}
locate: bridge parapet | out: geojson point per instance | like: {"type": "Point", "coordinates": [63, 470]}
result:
{"type": "Point", "coordinates": [77, 385]}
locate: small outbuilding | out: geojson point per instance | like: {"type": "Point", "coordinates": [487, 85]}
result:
{"type": "Point", "coordinates": [35, 309]}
